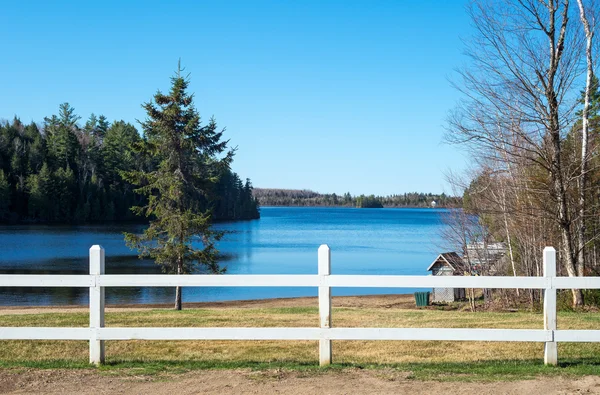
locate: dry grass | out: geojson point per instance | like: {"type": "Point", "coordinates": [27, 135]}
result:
{"type": "Point", "coordinates": [300, 314]}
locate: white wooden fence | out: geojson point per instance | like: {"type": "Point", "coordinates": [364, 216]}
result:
{"type": "Point", "coordinates": [97, 333]}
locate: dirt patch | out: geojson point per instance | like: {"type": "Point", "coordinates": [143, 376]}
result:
{"type": "Point", "coordinates": [223, 382]}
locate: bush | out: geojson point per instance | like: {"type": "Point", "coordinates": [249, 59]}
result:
{"type": "Point", "coordinates": [564, 299]}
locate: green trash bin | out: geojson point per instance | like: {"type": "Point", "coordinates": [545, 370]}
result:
{"type": "Point", "coordinates": [422, 299]}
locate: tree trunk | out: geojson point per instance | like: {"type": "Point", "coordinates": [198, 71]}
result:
{"type": "Point", "coordinates": [584, 140]}
{"type": "Point", "coordinates": [178, 298]}
{"type": "Point", "coordinates": [471, 293]}
{"type": "Point", "coordinates": [508, 240]}
{"type": "Point", "coordinates": [569, 256]}
{"type": "Point", "coordinates": [577, 258]}
{"type": "Point", "coordinates": [178, 289]}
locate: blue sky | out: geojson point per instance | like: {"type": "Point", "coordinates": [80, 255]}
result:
{"type": "Point", "coordinates": [331, 96]}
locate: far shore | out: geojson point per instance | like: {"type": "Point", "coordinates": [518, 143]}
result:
{"type": "Point", "coordinates": [401, 301]}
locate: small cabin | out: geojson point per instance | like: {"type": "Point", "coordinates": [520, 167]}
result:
{"type": "Point", "coordinates": [447, 264]}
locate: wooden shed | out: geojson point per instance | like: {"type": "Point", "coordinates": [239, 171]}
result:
{"type": "Point", "coordinates": [447, 264]}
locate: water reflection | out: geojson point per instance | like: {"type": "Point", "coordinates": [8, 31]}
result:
{"type": "Point", "coordinates": [284, 240]}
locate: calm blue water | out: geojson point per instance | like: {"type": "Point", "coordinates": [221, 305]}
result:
{"type": "Point", "coordinates": [284, 241]}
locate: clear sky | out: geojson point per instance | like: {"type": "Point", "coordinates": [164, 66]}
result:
{"type": "Point", "coordinates": [330, 96]}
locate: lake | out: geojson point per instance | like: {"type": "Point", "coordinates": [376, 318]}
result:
{"type": "Point", "coordinates": [284, 241]}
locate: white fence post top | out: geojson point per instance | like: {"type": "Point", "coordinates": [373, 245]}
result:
{"type": "Point", "coordinates": [96, 259]}
{"type": "Point", "coordinates": [549, 262]}
{"type": "Point", "coordinates": [323, 247]}
{"type": "Point", "coordinates": [324, 260]}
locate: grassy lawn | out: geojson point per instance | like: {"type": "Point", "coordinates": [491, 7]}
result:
{"type": "Point", "coordinates": [425, 359]}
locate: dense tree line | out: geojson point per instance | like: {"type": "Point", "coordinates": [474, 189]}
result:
{"type": "Point", "coordinates": [236, 198]}
{"type": "Point", "coordinates": [370, 201]}
{"type": "Point", "coordinates": [297, 197]}
{"type": "Point", "coordinates": [62, 172]}
{"type": "Point", "coordinates": [530, 122]}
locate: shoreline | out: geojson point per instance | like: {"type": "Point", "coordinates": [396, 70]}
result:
{"type": "Point", "coordinates": [404, 301]}
{"type": "Point", "coordinates": [354, 207]}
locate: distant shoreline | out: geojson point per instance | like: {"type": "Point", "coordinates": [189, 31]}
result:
{"type": "Point", "coordinates": [306, 197]}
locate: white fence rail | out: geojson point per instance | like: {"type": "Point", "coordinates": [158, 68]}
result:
{"type": "Point", "coordinates": [97, 333]}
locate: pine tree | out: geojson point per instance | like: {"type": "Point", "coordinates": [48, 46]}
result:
{"type": "Point", "coordinates": [37, 149]}
{"type": "Point", "coordinates": [65, 193]}
{"type": "Point", "coordinates": [188, 169]}
{"type": "Point", "coordinates": [63, 147]}
{"type": "Point", "coordinates": [102, 127]}
{"type": "Point", "coordinates": [4, 196]}
{"type": "Point", "coordinates": [41, 195]}
{"type": "Point", "coordinates": [46, 182]}
{"type": "Point", "coordinates": [117, 154]}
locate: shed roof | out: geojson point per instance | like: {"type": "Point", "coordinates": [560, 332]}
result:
{"type": "Point", "coordinates": [451, 259]}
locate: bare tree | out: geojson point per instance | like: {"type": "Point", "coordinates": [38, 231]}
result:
{"type": "Point", "coordinates": [465, 234]}
{"type": "Point", "coordinates": [519, 106]}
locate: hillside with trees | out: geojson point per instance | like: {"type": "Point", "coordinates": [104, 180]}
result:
{"type": "Point", "coordinates": [62, 172]}
{"type": "Point", "coordinates": [307, 198]}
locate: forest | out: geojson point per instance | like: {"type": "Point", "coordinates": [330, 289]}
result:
{"type": "Point", "coordinates": [304, 197]}
{"type": "Point", "coordinates": [61, 172]}
{"type": "Point", "coordinates": [529, 122]}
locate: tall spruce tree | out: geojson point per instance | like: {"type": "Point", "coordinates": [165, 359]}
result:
{"type": "Point", "coordinates": [63, 147]}
{"type": "Point", "coordinates": [190, 158]}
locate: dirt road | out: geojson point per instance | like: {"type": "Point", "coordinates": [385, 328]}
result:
{"type": "Point", "coordinates": [223, 382]}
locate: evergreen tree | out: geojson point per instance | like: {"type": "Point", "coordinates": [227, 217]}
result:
{"type": "Point", "coordinates": [102, 127]}
{"type": "Point", "coordinates": [37, 149]}
{"type": "Point", "coordinates": [188, 169]}
{"type": "Point", "coordinates": [64, 193]}
{"type": "Point", "coordinates": [91, 124]}
{"type": "Point", "coordinates": [4, 196]}
{"type": "Point", "coordinates": [117, 155]}
{"type": "Point", "coordinates": [37, 164]}
{"type": "Point", "coordinates": [63, 146]}
{"type": "Point", "coordinates": [41, 195]}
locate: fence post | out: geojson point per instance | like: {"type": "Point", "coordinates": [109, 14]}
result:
{"type": "Point", "coordinates": [324, 304]}
{"type": "Point", "coordinates": [550, 349]}
{"type": "Point", "coordinates": [96, 305]}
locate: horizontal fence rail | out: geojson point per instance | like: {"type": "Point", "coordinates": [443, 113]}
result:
{"type": "Point", "coordinates": [97, 333]}
{"type": "Point", "coordinates": [179, 333]}
{"type": "Point", "coordinates": [46, 280]}
{"type": "Point", "coordinates": [295, 280]}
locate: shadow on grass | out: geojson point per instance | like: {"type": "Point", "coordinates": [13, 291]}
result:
{"type": "Point", "coordinates": [505, 370]}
